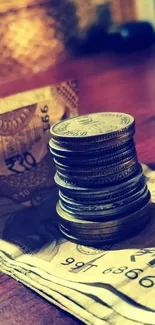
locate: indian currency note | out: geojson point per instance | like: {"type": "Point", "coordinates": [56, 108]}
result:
{"type": "Point", "coordinates": [26, 166]}
{"type": "Point", "coordinates": [121, 305]}
{"type": "Point", "coordinates": [83, 295]}
{"type": "Point", "coordinates": [102, 312]}
{"type": "Point", "coordinates": [53, 296]}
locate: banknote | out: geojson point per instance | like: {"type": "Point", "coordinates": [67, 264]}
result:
{"type": "Point", "coordinates": [54, 297]}
{"type": "Point", "coordinates": [26, 165]}
{"type": "Point", "coordinates": [119, 276]}
{"type": "Point", "coordinates": [93, 296]}
{"type": "Point", "coordinates": [86, 308]}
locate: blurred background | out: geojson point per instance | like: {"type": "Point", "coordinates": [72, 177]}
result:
{"type": "Point", "coordinates": [44, 42]}
{"type": "Point", "coordinates": [36, 34]}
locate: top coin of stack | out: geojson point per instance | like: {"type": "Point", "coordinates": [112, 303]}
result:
{"type": "Point", "coordinates": [103, 195]}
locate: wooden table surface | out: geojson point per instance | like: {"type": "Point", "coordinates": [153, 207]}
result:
{"type": "Point", "coordinates": [107, 83]}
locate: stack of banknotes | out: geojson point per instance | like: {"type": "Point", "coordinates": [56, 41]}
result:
{"type": "Point", "coordinates": [113, 284]}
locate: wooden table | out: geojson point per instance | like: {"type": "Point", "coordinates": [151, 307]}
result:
{"type": "Point", "coordinates": [107, 82]}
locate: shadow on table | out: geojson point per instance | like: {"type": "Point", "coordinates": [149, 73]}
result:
{"type": "Point", "coordinates": [36, 227]}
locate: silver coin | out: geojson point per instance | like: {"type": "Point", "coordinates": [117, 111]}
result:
{"type": "Point", "coordinates": [108, 195]}
{"type": "Point", "coordinates": [101, 160]}
{"type": "Point", "coordinates": [95, 126]}
{"type": "Point", "coordinates": [97, 171]}
{"type": "Point", "coordinates": [71, 187]}
{"type": "Point", "coordinates": [91, 145]}
{"type": "Point", "coordinates": [118, 229]}
{"type": "Point", "coordinates": [102, 204]}
{"type": "Point", "coordinates": [112, 212]}
{"type": "Point", "coordinates": [101, 239]}
{"type": "Point", "coordinates": [98, 180]}
{"type": "Point", "coordinates": [70, 221]}
{"type": "Point", "coordinates": [92, 150]}
{"type": "Point", "coordinates": [107, 212]}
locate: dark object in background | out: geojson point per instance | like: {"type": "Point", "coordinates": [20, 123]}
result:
{"type": "Point", "coordinates": [93, 40]}
{"type": "Point", "coordinates": [126, 37]}
{"type": "Point", "coordinates": [131, 36]}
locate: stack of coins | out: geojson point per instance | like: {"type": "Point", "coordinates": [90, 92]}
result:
{"type": "Point", "coordinates": [103, 195]}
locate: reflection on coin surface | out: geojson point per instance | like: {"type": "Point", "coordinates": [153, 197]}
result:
{"type": "Point", "coordinates": [108, 125]}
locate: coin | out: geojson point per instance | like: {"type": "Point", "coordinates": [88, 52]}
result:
{"type": "Point", "coordinates": [91, 151]}
{"type": "Point", "coordinates": [117, 230]}
{"type": "Point", "coordinates": [100, 237]}
{"type": "Point", "coordinates": [96, 204]}
{"type": "Point", "coordinates": [101, 160]}
{"type": "Point", "coordinates": [97, 126]}
{"type": "Point", "coordinates": [106, 145]}
{"type": "Point", "coordinates": [108, 212]}
{"type": "Point", "coordinates": [101, 240]}
{"type": "Point", "coordinates": [71, 187]}
{"type": "Point", "coordinates": [70, 221]}
{"type": "Point", "coordinates": [103, 195]}
{"type": "Point", "coordinates": [109, 194]}
{"type": "Point", "coordinates": [97, 180]}
{"type": "Point", "coordinates": [97, 171]}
